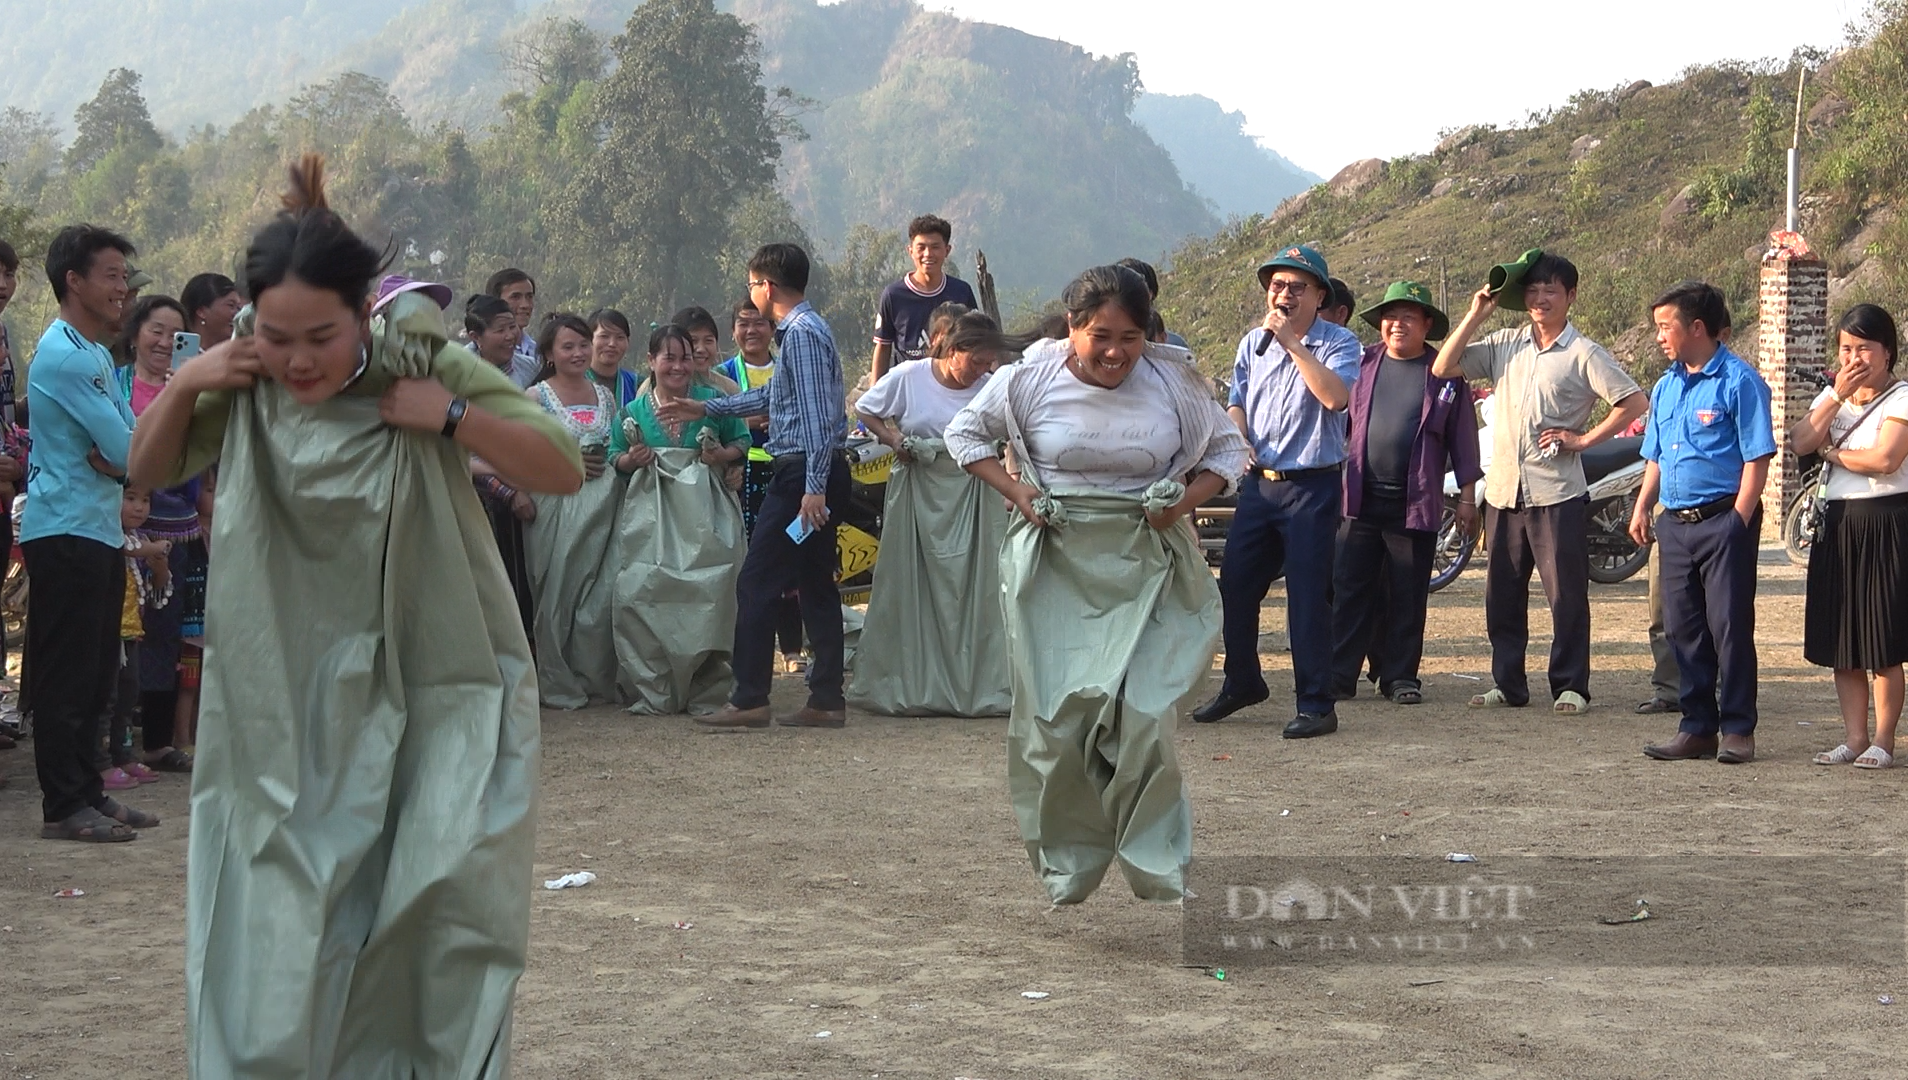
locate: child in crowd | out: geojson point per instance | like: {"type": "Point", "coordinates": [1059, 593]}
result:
{"type": "Point", "coordinates": [148, 582]}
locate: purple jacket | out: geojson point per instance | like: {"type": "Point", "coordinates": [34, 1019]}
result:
{"type": "Point", "coordinates": [1447, 431]}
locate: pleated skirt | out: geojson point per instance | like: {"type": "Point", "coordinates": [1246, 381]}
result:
{"type": "Point", "coordinates": [1857, 615]}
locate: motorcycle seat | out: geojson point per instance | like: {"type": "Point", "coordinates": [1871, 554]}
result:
{"type": "Point", "coordinates": [1607, 457]}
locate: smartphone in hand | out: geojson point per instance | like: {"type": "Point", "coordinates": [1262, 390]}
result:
{"type": "Point", "coordinates": [184, 347]}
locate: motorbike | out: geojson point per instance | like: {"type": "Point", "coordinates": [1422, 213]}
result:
{"type": "Point", "coordinates": [1614, 471]}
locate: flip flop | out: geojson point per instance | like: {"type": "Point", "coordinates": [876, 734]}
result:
{"type": "Point", "coordinates": [1570, 703]}
{"type": "Point", "coordinates": [1407, 695]}
{"type": "Point", "coordinates": [172, 759]}
{"type": "Point", "coordinates": [1491, 699]}
{"type": "Point", "coordinates": [89, 826]}
{"type": "Point", "coordinates": [1841, 755]}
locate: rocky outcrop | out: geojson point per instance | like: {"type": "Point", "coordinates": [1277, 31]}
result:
{"type": "Point", "coordinates": [1357, 178]}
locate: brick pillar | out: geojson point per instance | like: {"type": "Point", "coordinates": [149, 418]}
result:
{"type": "Point", "coordinates": [1792, 339]}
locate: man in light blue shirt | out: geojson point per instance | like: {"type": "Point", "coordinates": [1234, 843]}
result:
{"type": "Point", "coordinates": [1291, 384]}
{"type": "Point", "coordinates": [70, 534]}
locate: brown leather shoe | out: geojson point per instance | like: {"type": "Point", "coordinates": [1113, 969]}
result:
{"type": "Point", "coordinates": [1737, 750]}
{"type": "Point", "coordinates": [808, 716]}
{"type": "Point", "coordinates": [1684, 747]}
{"type": "Point", "coordinates": [730, 718]}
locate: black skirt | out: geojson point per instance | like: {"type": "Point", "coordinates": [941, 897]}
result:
{"type": "Point", "coordinates": [1857, 616]}
{"type": "Point", "coordinates": [508, 529]}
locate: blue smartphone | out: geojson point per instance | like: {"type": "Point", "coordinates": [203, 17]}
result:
{"type": "Point", "coordinates": [800, 530]}
{"type": "Point", "coordinates": [184, 347]}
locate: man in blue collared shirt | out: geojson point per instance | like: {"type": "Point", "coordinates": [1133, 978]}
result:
{"type": "Point", "coordinates": [1708, 443]}
{"type": "Point", "coordinates": [808, 427]}
{"type": "Point", "coordinates": [1291, 383]}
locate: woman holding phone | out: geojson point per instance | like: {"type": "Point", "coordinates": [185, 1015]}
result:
{"type": "Point", "coordinates": [145, 347]}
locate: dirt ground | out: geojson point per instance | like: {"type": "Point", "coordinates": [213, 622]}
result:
{"type": "Point", "coordinates": [870, 884]}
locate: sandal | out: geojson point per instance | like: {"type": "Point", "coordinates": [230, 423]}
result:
{"type": "Point", "coordinates": [1875, 758]}
{"type": "Point", "coordinates": [1841, 755]}
{"type": "Point", "coordinates": [1491, 699]}
{"type": "Point", "coordinates": [1570, 703]}
{"type": "Point", "coordinates": [126, 815]}
{"type": "Point", "coordinates": [89, 826]}
{"type": "Point", "coordinates": [1407, 695]}
{"type": "Point", "coordinates": [140, 772]}
{"type": "Point", "coordinates": [117, 779]}
{"type": "Point", "coordinates": [171, 759]}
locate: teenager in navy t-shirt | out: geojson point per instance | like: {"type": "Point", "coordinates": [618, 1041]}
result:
{"type": "Point", "coordinates": [901, 320]}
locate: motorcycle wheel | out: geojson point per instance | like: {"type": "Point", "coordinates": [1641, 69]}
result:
{"type": "Point", "coordinates": [1453, 550]}
{"type": "Point", "coordinates": [1621, 558]}
{"type": "Point", "coordinates": [1796, 536]}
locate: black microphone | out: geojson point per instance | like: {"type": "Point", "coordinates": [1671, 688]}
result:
{"type": "Point", "coordinates": [1266, 342]}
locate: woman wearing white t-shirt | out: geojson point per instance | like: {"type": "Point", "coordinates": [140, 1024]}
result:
{"type": "Point", "coordinates": [1857, 616]}
{"type": "Point", "coordinates": [1112, 615]}
{"type": "Point", "coordinates": [933, 644]}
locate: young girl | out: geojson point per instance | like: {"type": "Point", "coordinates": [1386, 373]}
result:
{"type": "Point", "coordinates": [148, 584]}
{"type": "Point", "coordinates": [609, 344]}
{"type": "Point", "coordinates": [567, 546]}
{"type": "Point", "coordinates": [362, 804]}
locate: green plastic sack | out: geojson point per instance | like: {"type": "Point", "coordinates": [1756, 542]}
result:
{"type": "Point", "coordinates": [362, 830]}
{"type": "Point", "coordinates": [573, 581]}
{"type": "Point", "coordinates": [679, 547]}
{"type": "Point", "coordinates": [933, 643]}
{"type": "Point", "coordinates": [1111, 625]}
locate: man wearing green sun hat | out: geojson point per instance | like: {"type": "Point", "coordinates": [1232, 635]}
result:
{"type": "Point", "coordinates": [1408, 427]}
{"type": "Point", "coordinates": [1547, 379]}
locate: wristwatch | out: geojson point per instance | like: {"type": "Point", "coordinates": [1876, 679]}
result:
{"type": "Point", "coordinates": [453, 416]}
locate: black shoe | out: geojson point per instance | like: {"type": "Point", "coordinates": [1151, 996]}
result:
{"type": "Point", "coordinates": [1659, 705]}
{"type": "Point", "coordinates": [1311, 725]}
{"type": "Point", "coordinates": [1225, 705]}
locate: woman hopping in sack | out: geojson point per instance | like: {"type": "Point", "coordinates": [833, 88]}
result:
{"type": "Point", "coordinates": [932, 644]}
{"type": "Point", "coordinates": [362, 803]}
{"type": "Point", "coordinates": [1112, 616]}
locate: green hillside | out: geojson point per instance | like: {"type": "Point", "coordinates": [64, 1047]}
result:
{"type": "Point", "coordinates": [1216, 157]}
{"type": "Point", "coordinates": [1641, 186]}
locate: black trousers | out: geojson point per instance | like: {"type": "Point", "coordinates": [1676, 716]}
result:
{"type": "Point", "coordinates": [1553, 541]}
{"type": "Point", "coordinates": [776, 564]}
{"type": "Point", "coordinates": [73, 645]}
{"type": "Point", "coordinates": [1709, 615]}
{"type": "Point", "coordinates": [1381, 586]}
{"type": "Point", "coordinates": [122, 710]}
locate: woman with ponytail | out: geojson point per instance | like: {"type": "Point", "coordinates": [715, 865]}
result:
{"type": "Point", "coordinates": [362, 803]}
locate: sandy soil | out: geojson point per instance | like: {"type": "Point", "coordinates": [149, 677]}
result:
{"type": "Point", "coordinates": [869, 883]}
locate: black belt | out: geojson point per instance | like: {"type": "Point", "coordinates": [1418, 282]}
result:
{"type": "Point", "coordinates": [1696, 515]}
{"type": "Point", "coordinates": [1276, 475]}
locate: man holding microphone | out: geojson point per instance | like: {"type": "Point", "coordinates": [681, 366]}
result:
{"type": "Point", "coordinates": [1291, 384]}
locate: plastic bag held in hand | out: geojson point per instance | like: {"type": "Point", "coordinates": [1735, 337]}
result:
{"type": "Point", "coordinates": [1162, 496]}
{"type": "Point", "coordinates": [708, 440]}
{"type": "Point", "coordinates": [632, 431]}
{"type": "Point", "coordinates": [923, 449]}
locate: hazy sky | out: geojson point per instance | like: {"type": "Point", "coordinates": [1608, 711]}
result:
{"type": "Point", "coordinates": [1330, 82]}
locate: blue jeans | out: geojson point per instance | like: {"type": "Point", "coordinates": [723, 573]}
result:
{"type": "Point", "coordinates": [1288, 527]}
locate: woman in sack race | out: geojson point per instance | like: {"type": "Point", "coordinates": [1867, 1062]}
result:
{"type": "Point", "coordinates": [933, 644]}
{"type": "Point", "coordinates": [1112, 615]}
{"type": "Point", "coordinates": [363, 803]}
{"type": "Point", "coordinates": [1857, 614]}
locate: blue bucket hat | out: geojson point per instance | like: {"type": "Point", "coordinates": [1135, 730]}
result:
{"type": "Point", "coordinates": [1300, 257]}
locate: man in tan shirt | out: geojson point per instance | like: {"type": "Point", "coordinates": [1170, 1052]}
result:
{"type": "Point", "coordinates": [1548, 378]}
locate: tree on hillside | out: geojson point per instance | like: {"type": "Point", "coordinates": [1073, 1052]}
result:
{"type": "Point", "coordinates": [686, 133]}
{"type": "Point", "coordinates": [117, 116]}
{"type": "Point", "coordinates": [29, 148]}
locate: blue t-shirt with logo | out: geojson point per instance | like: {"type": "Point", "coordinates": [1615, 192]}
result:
{"type": "Point", "coordinates": [75, 408]}
{"type": "Point", "coordinates": [902, 318]}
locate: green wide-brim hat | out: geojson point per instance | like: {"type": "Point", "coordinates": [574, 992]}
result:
{"type": "Point", "coordinates": [1507, 280]}
{"type": "Point", "coordinates": [1301, 257]}
{"type": "Point", "coordinates": [1410, 292]}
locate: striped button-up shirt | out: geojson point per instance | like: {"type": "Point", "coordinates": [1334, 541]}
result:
{"type": "Point", "coordinates": [806, 401]}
